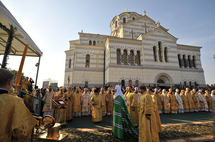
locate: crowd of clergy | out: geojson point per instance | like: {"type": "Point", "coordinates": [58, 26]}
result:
{"type": "Point", "coordinates": [98, 103]}
{"type": "Point", "coordinates": [82, 102]}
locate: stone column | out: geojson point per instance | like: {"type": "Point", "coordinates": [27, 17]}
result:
{"type": "Point", "coordinates": [157, 54]}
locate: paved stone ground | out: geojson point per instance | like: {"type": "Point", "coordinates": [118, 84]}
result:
{"type": "Point", "coordinates": [187, 127]}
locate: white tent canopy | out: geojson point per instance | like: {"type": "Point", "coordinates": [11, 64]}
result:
{"type": "Point", "coordinates": [21, 38]}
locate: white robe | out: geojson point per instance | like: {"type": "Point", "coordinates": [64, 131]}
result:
{"type": "Point", "coordinates": [180, 102]}
{"type": "Point", "coordinates": [203, 100]}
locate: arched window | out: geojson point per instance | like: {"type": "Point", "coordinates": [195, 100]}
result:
{"type": "Point", "coordinates": [185, 84]}
{"type": "Point", "coordinates": [137, 58]}
{"type": "Point", "coordinates": [194, 62]}
{"type": "Point", "coordinates": [137, 83]}
{"type": "Point", "coordinates": [124, 20]}
{"type": "Point", "coordinates": [165, 54]}
{"type": "Point", "coordinates": [184, 61]}
{"type": "Point", "coordinates": [87, 64]}
{"type": "Point", "coordinates": [189, 62]}
{"type": "Point", "coordinates": [130, 83]}
{"type": "Point", "coordinates": [86, 84]}
{"type": "Point", "coordinates": [160, 51]}
{"type": "Point", "coordinates": [125, 57]}
{"type": "Point", "coordinates": [131, 57]}
{"type": "Point", "coordinates": [70, 63]}
{"type": "Point", "coordinates": [190, 84]}
{"type": "Point", "coordinates": [179, 60]}
{"type": "Point", "coordinates": [115, 24]}
{"type": "Point", "coordinates": [90, 42]}
{"type": "Point", "coordinates": [155, 53]}
{"type": "Point", "coordinates": [133, 18]}
{"type": "Point", "coordinates": [94, 42]}
{"type": "Point", "coordinates": [118, 52]}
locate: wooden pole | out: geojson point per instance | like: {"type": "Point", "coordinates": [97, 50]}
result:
{"type": "Point", "coordinates": [20, 70]}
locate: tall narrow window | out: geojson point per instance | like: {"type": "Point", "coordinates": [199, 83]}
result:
{"type": "Point", "coordinates": [124, 20]}
{"type": "Point", "coordinates": [87, 65]}
{"type": "Point", "coordinates": [137, 58]}
{"type": "Point", "coordinates": [70, 63]}
{"type": "Point", "coordinates": [185, 84]}
{"type": "Point", "coordinates": [194, 62]}
{"type": "Point", "coordinates": [165, 54]}
{"type": "Point", "coordinates": [190, 84]}
{"type": "Point", "coordinates": [132, 57]}
{"type": "Point", "coordinates": [195, 83]}
{"type": "Point", "coordinates": [90, 42]}
{"type": "Point", "coordinates": [118, 52]}
{"type": "Point", "coordinates": [185, 62]}
{"type": "Point", "coordinates": [189, 61]}
{"type": "Point", "coordinates": [130, 83]}
{"type": "Point", "coordinates": [125, 57]}
{"type": "Point", "coordinates": [179, 60]}
{"type": "Point", "coordinates": [160, 51]}
{"type": "Point", "coordinates": [155, 53]}
{"type": "Point", "coordinates": [94, 42]}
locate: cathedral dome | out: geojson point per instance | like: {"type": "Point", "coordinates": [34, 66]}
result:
{"type": "Point", "coordinates": [122, 18]}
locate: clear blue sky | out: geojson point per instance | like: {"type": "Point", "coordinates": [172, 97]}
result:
{"type": "Point", "coordinates": [53, 23]}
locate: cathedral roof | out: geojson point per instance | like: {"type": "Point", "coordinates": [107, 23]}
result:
{"type": "Point", "coordinates": [156, 29]}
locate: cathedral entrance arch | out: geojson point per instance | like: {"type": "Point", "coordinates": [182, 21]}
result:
{"type": "Point", "coordinates": [163, 79]}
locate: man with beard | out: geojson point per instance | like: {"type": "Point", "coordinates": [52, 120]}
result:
{"type": "Point", "coordinates": [77, 102]}
{"type": "Point", "coordinates": [49, 96]}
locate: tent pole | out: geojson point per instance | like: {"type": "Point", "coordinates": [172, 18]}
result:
{"type": "Point", "coordinates": [38, 66]}
{"type": "Point", "coordinates": [18, 77]}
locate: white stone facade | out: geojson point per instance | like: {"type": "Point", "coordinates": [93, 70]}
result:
{"type": "Point", "coordinates": [138, 51]}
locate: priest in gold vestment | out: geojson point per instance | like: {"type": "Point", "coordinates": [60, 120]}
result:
{"type": "Point", "coordinates": [189, 100]}
{"type": "Point", "coordinates": [109, 97]}
{"type": "Point", "coordinates": [132, 105]}
{"type": "Point", "coordinates": [148, 124]}
{"type": "Point", "coordinates": [159, 103]}
{"type": "Point", "coordinates": [104, 100]}
{"type": "Point", "coordinates": [60, 94]}
{"type": "Point", "coordinates": [210, 101]}
{"type": "Point", "coordinates": [195, 100]}
{"type": "Point", "coordinates": [185, 102]}
{"type": "Point", "coordinates": [96, 102]}
{"type": "Point", "coordinates": [16, 122]}
{"type": "Point", "coordinates": [172, 101]}
{"type": "Point", "coordinates": [165, 101]}
{"type": "Point", "coordinates": [77, 102]}
{"type": "Point", "coordinates": [68, 97]}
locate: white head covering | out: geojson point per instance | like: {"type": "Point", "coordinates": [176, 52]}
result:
{"type": "Point", "coordinates": [118, 92]}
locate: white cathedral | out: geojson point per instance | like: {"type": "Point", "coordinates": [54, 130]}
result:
{"type": "Point", "coordinates": [138, 51]}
